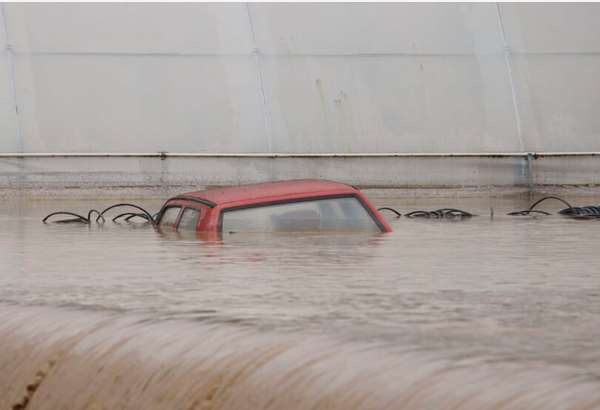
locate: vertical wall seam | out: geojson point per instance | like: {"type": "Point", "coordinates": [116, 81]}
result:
{"type": "Point", "coordinates": [13, 83]}
{"type": "Point", "coordinates": [257, 59]}
{"type": "Point", "coordinates": [507, 61]}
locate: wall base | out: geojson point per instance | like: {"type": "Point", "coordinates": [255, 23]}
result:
{"type": "Point", "coordinates": [48, 176]}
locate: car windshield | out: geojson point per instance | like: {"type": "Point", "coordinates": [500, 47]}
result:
{"type": "Point", "coordinates": [169, 217]}
{"type": "Point", "coordinates": [331, 214]}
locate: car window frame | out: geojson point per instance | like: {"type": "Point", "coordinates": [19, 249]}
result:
{"type": "Point", "coordinates": [183, 208]}
{"type": "Point", "coordinates": [162, 214]}
{"type": "Point", "coordinates": [297, 200]}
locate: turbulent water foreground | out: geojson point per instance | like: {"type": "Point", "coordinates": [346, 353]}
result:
{"type": "Point", "coordinates": [56, 358]}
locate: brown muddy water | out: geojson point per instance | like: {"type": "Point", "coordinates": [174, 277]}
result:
{"type": "Point", "coordinates": [478, 314]}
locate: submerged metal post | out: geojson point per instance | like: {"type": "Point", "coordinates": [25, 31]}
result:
{"type": "Point", "coordinates": [530, 159]}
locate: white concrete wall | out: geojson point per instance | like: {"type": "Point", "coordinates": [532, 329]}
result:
{"type": "Point", "coordinates": [299, 78]}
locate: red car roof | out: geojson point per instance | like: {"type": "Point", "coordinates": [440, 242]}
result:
{"type": "Point", "coordinates": [308, 187]}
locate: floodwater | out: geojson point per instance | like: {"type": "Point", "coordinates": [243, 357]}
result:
{"type": "Point", "coordinates": [476, 314]}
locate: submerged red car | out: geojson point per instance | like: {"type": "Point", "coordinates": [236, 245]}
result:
{"type": "Point", "coordinates": [300, 205]}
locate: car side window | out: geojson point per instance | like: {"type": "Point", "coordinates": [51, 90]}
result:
{"type": "Point", "coordinates": [169, 217]}
{"type": "Point", "coordinates": [331, 214]}
{"type": "Point", "coordinates": [189, 219]}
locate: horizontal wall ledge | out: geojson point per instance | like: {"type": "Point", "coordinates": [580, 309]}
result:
{"type": "Point", "coordinates": [292, 55]}
{"type": "Point", "coordinates": [164, 155]}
